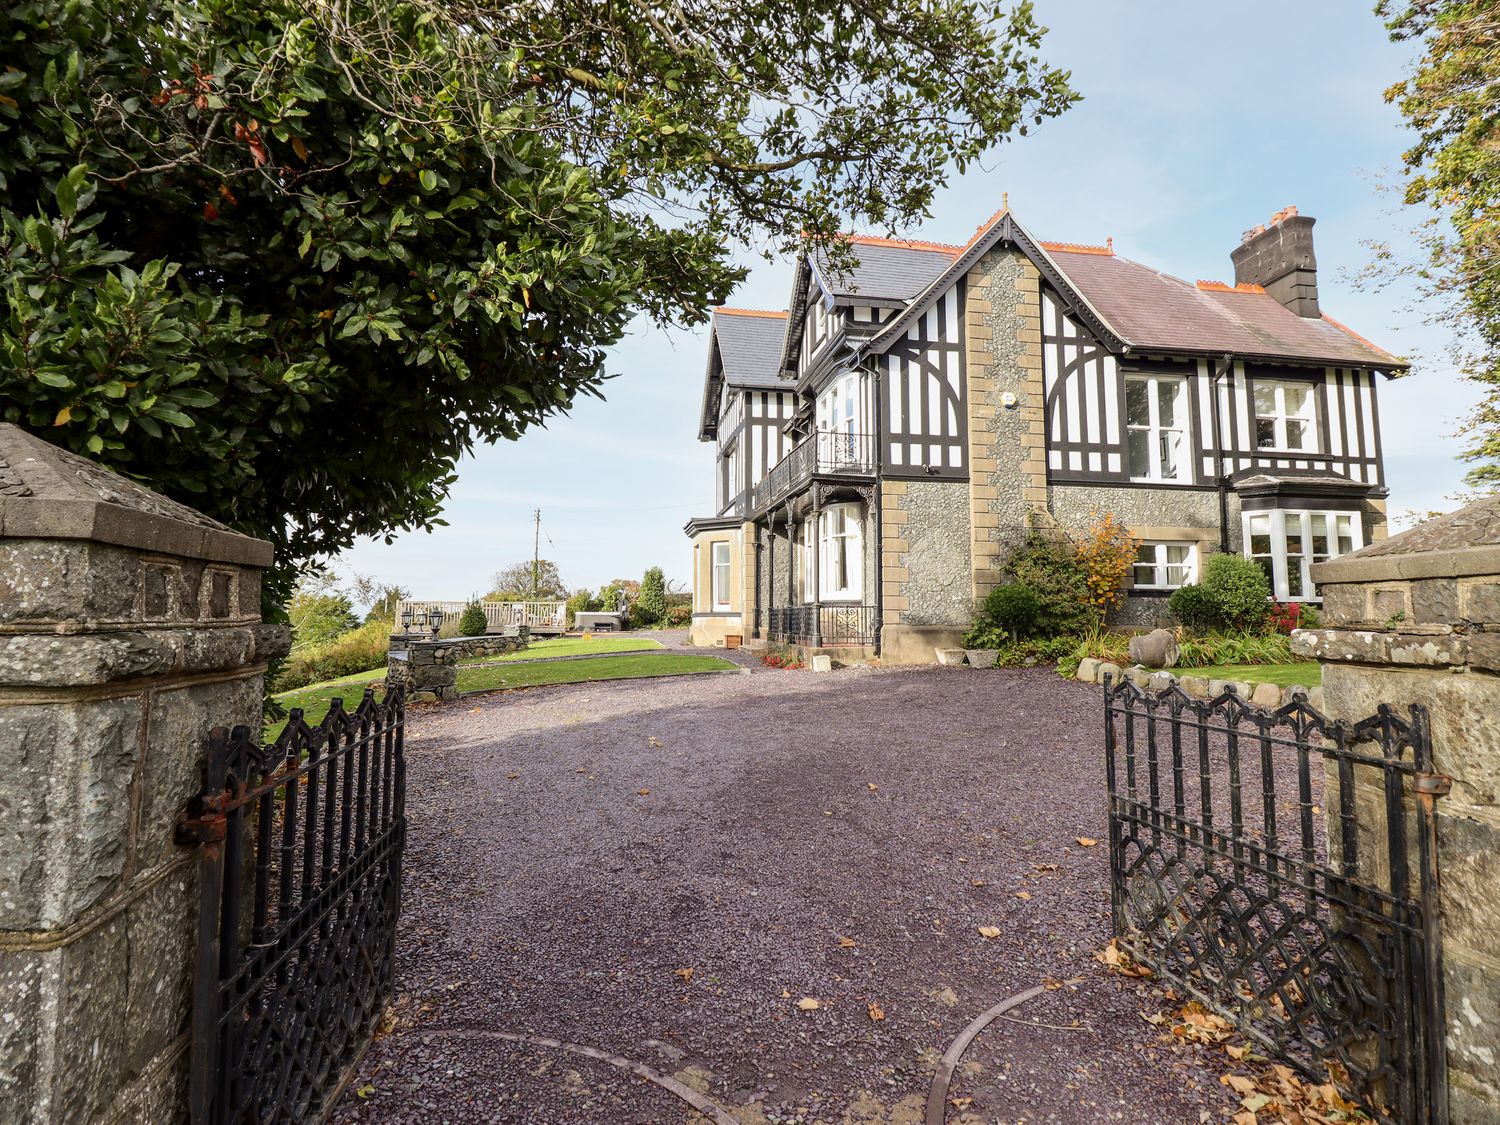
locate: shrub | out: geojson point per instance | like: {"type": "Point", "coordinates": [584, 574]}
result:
{"type": "Point", "coordinates": [1309, 617]}
{"type": "Point", "coordinates": [1013, 608]}
{"type": "Point", "coordinates": [1240, 589]}
{"type": "Point", "coordinates": [651, 606]}
{"type": "Point", "coordinates": [358, 650]}
{"type": "Point", "coordinates": [679, 616]}
{"type": "Point", "coordinates": [1050, 569]}
{"type": "Point", "coordinates": [982, 634]}
{"type": "Point", "coordinates": [1036, 650]}
{"type": "Point", "coordinates": [1195, 607]}
{"type": "Point", "coordinates": [579, 601]}
{"type": "Point", "coordinates": [1105, 552]}
{"type": "Point", "coordinates": [473, 622]}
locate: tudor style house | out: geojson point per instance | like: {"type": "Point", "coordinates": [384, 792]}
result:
{"type": "Point", "coordinates": [886, 442]}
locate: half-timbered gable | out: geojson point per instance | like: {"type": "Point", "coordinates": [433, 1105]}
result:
{"type": "Point", "coordinates": [924, 417]}
{"type": "Point", "coordinates": [1084, 389]}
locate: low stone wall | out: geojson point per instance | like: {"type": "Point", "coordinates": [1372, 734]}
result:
{"type": "Point", "coordinates": [428, 669]}
{"type": "Point", "coordinates": [1091, 671]}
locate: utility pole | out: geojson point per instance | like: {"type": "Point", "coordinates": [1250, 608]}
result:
{"type": "Point", "coordinates": [536, 553]}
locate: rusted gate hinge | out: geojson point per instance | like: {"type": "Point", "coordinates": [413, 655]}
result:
{"type": "Point", "coordinates": [202, 822]}
{"type": "Point", "coordinates": [1432, 784]}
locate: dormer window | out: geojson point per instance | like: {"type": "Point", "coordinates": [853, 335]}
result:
{"type": "Point", "coordinates": [1286, 416]}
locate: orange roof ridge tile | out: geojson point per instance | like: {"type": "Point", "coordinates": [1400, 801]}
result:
{"type": "Point", "coordinates": [1107, 251]}
{"type": "Point", "coordinates": [904, 243]}
{"type": "Point", "coordinates": [1220, 287]}
{"type": "Point", "coordinates": [983, 228]}
{"type": "Point", "coordinates": [779, 314]}
{"type": "Point", "coordinates": [1349, 331]}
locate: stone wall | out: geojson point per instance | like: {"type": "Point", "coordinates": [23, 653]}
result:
{"type": "Point", "coordinates": [129, 626]}
{"type": "Point", "coordinates": [926, 577]}
{"type": "Point", "coordinates": [428, 669]}
{"type": "Point", "coordinates": [1007, 444]}
{"type": "Point", "coordinates": [1416, 619]}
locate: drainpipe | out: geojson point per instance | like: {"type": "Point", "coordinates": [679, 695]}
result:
{"type": "Point", "coordinates": [875, 504]}
{"type": "Point", "coordinates": [1223, 478]}
{"type": "Point", "coordinates": [755, 619]}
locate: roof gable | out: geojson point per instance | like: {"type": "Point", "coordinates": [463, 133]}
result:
{"type": "Point", "coordinates": [744, 353]}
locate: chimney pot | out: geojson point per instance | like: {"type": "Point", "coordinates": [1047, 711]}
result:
{"type": "Point", "coordinates": [1279, 257]}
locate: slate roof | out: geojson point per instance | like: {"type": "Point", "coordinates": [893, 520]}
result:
{"type": "Point", "coordinates": [1154, 311]}
{"type": "Point", "coordinates": [891, 270]}
{"type": "Point", "coordinates": [750, 346]}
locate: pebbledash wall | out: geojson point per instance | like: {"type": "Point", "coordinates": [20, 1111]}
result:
{"type": "Point", "coordinates": [1416, 619]}
{"type": "Point", "coordinates": [129, 625]}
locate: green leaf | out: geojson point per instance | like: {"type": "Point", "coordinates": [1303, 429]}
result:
{"type": "Point", "coordinates": [429, 180]}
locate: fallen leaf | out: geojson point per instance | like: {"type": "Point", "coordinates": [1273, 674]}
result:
{"type": "Point", "coordinates": [872, 786]}
{"type": "Point", "coordinates": [1086, 842]}
{"type": "Point", "coordinates": [1236, 1052]}
{"type": "Point", "coordinates": [1023, 894]}
{"type": "Point", "coordinates": [643, 792]}
{"type": "Point", "coordinates": [978, 882]}
{"type": "Point", "coordinates": [989, 931]}
{"type": "Point", "coordinates": [785, 995]}
{"type": "Point", "coordinates": [846, 943]}
{"type": "Point", "coordinates": [511, 776]}
{"type": "Point", "coordinates": [1255, 1102]}
{"type": "Point", "coordinates": [581, 770]}
{"type": "Point", "coordinates": [807, 1004]}
{"type": "Point", "coordinates": [1238, 1083]}
{"type": "Point", "coordinates": [653, 741]}
{"type": "Point", "coordinates": [961, 1103]}
{"type": "Point", "coordinates": [876, 1012]}
{"type": "Point", "coordinates": [685, 974]}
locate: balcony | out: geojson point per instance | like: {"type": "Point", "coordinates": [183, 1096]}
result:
{"type": "Point", "coordinates": [832, 454]}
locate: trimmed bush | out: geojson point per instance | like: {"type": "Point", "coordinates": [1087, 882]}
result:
{"type": "Point", "coordinates": [1195, 607]}
{"type": "Point", "coordinates": [1051, 570]}
{"type": "Point", "coordinates": [1014, 608]}
{"type": "Point", "coordinates": [473, 623]}
{"type": "Point", "coordinates": [651, 606]}
{"type": "Point", "coordinates": [1240, 590]}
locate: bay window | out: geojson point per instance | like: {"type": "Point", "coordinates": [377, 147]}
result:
{"type": "Point", "coordinates": [1156, 419]}
{"type": "Point", "coordinates": [1286, 416]}
{"type": "Point", "coordinates": [839, 410]}
{"type": "Point", "coordinates": [840, 555]}
{"type": "Point", "coordinates": [1287, 543]}
{"type": "Point", "coordinates": [1165, 566]}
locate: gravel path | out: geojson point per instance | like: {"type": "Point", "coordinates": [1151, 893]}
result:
{"type": "Point", "coordinates": [575, 850]}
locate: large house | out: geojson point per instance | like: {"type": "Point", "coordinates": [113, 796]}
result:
{"type": "Point", "coordinates": [884, 443]}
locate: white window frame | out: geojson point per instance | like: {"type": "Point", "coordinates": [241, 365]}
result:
{"type": "Point", "coordinates": [1280, 415]}
{"type": "Point", "coordinates": [721, 586]}
{"type": "Point", "coordinates": [852, 537]}
{"type": "Point", "coordinates": [1159, 564]}
{"type": "Point", "coordinates": [1153, 429]}
{"type": "Point", "coordinates": [1301, 521]}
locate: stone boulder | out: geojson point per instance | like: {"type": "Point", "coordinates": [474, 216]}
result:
{"type": "Point", "coordinates": [1156, 649]}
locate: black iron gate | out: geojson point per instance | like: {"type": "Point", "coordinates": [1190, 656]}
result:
{"type": "Point", "coordinates": [1314, 931]}
{"type": "Point", "coordinates": [300, 888]}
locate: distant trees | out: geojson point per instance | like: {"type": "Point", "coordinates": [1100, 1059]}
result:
{"type": "Point", "coordinates": [525, 581]}
{"type": "Point", "coordinates": [651, 607]}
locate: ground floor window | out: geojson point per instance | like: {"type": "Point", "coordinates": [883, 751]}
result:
{"type": "Point", "coordinates": [1286, 544]}
{"type": "Point", "coordinates": [839, 555]}
{"type": "Point", "coordinates": [1165, 566]}
{"type": "Point", "coordinates": [721, 575]}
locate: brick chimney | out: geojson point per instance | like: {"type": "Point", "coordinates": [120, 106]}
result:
{"type": "Point", "coordinates": [1279, 257]}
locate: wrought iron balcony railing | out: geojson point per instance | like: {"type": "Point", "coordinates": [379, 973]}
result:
{"type": "Point", "coordinates": [823, 626]}
{"type": "Point", "coordinates": [831, 453]}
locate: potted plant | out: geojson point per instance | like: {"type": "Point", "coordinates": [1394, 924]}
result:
{"type": "Point", "coordinates": [982, 644]}
{"type": "Point", "coordinates": [1008, 612]}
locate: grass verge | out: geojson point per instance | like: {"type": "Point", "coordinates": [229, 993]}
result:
{"type": "Point", "coordinates": [315, 699]}
{"type": "Point", "coordinates": [490, 677]}
{"type": "Point", "coordinates": [572, 646]}
{"type": "Point", "coordinates": [1282, 675]}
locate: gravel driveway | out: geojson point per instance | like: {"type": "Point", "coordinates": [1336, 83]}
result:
{"type": "Point", "coordinates": [575, 851]}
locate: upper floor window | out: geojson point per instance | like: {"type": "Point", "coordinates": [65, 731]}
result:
{"type": "Point", "coordinates": [1287, 543]}
{"type": "Point", "coordinates": [1164, 566]}
{"type": "Point", "coordinates": [1156, 418]}
{"type": "Point", "coordinates": [721, 574]}
{"type": "Point", "coordinates": [1285, 416]}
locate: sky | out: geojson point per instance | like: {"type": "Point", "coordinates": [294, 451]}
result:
{"type": "Point", "coordinates": [1198, 121]}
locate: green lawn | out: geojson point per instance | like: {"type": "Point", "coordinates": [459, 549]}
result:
{"type": "Point", "coordinates": [1308, 675]}
{"type": "Point", "coordinates": [489, 676]}
{"type": "Point", "coordinates": [315, 698]}
{"type": "Point", "coordinates": [573, 646]}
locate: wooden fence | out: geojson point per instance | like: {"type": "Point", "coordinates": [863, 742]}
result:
{"type": "Point", "coordinates": [540, 617]}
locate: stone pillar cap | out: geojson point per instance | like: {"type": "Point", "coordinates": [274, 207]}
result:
{"type": "Point", "coordinates": [1461, 543]}
{"type": "Point", "coordinates": [49, 493]}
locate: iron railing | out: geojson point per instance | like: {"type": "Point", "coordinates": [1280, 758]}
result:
{"type": "Point", "coordinates": [300, 886]}
{"type": "Point", "coordinates": [831, 453]}
{"type": "Point", "coordinates": [1314, 931]}
{"type": "Point", "coordinates": [825, 626]}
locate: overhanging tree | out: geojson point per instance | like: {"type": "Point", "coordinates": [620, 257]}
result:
{"type": "Point", "coordinates": [287, 261]}
{"type": "Point", "coordinates": [1452, 101]}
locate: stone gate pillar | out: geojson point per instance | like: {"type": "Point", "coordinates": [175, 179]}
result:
{"type": "Point", "coordinates": [1416, 619]}
{"type": "Point", "coordinates": [129, 625]}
